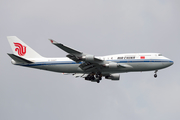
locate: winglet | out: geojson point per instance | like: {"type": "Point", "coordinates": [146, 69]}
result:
{"type": "Point", "coordinates": [52, 41]}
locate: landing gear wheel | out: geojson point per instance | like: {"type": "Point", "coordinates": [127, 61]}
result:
{"type": "Point", "coordinates": [97, 75]}
{"type": "Point", "coordinates": [92, 78]}
{"type": "Point", "coordinates": [155, 75]}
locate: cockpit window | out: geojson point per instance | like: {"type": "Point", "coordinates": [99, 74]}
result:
{"type": "Point", "coordinates": [159, 54]}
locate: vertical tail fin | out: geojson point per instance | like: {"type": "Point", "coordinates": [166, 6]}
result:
{"type": "Point", "coordinates": [20, 49]}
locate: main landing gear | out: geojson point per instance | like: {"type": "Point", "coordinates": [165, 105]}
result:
{"type": "Point", "coordinates": [98, 76]}
{"type": "Point", "coordinates": [155, 74]}
{"type": "Point", "coordinates": [94, 77]}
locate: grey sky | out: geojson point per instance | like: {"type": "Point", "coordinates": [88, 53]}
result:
{"type": "Point", "coordinates": [99, 27]}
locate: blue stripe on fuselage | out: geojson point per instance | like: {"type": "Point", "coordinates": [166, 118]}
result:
{"type": "Point", "coordinates": [72, 62]}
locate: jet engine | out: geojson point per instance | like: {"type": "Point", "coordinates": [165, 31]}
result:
{"type": "Point", "coordinates": [113, 76]}
{"type": "Point", "coordinates": [112, 65]}
{"type": "Point", "coordinates": [88, 58]}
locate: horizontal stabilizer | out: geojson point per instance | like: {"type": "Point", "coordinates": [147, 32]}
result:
{"type": "Point", "coordinates": [19, 59]}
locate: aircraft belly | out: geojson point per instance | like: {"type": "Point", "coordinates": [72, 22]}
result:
{"type": "Point", "coordinates": [149, 66]}
{"type": "Point", "coordinates": [65, 68]}
{"type": "Point", "coordinates": [74, 68]}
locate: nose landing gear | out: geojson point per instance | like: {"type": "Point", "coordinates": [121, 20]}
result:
{"type": "Point", "coordinates": [155, 74]}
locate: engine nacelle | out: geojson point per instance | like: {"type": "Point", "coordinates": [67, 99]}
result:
{"type": "Point", "coordinates": [113, 77]}
{"type": "Point", "coordinates": [112, 65]}
{"type": "Point", "coordinates": [88, 58]}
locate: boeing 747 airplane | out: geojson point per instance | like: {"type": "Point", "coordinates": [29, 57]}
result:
{"type": "Point", "coordinates": [89, 67]}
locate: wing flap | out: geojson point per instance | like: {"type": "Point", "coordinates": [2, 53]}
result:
{"type": "Point", "coordinates": [78, 75]}
{"type": "Point", "coordinates": [83, 75]}
{"type": "Point", "coordinates": [73, 57]}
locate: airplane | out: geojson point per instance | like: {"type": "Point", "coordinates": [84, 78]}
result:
{"type": "Point", "coordinates": [87, 66]}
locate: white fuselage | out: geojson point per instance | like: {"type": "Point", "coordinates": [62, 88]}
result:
{"type": "Point", "coordinates": [135, 62]}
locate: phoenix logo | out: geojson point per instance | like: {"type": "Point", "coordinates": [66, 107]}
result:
{"type": "Point", "coordinates": [21, 49]}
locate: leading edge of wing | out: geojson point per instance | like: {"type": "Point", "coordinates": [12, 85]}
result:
{"type": "Point", "coordinates": [65, 48]}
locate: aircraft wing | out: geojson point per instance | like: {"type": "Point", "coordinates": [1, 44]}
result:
{"type": "Point", "coordinates": [66, 49]}
{"type": "Point", "coordinates": [73, 54]}
{"type": "Point", "coordinates": [88, 62]}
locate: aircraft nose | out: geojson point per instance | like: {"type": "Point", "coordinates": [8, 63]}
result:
{"type": "Point", "coordinates": [170, 62]}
